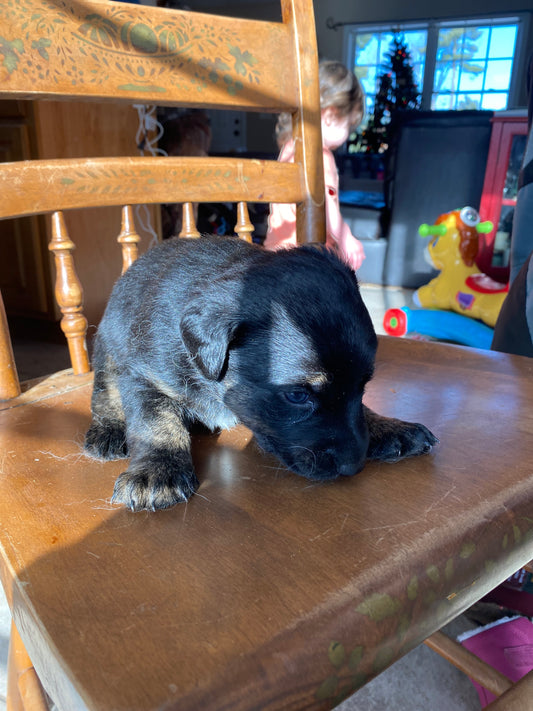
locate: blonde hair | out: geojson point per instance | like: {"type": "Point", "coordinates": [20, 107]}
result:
{"type": "Point", "coordinates": [339, 89]}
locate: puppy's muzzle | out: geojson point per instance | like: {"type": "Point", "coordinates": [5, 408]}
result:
{"type": "Point", "coordinates": [350, 469]}
{"type": "Point", "coordinates": [326, 464]}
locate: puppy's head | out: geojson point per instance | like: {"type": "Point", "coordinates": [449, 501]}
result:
{"type": "Point", "coordinates": [295, 347]}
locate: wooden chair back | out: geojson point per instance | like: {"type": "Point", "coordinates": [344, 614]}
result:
{"type": "Point", "coordinates": [133, 54]}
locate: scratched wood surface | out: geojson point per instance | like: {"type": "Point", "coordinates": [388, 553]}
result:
{"type": "Point", "coordinates": [264, 591]}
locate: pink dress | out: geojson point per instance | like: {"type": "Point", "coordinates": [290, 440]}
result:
{"type": "Point", "coordinates": [282, 220]}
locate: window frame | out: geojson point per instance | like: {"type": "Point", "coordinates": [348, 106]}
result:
{"type": "Point", "coordinates": [432, 28]}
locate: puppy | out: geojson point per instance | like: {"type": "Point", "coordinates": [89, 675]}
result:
{"type": "Point", "coordinates": [217, 331]}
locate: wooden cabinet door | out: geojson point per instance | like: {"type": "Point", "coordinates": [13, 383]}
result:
{"type": "Point", "coordinates": [24, 261]}
{"type": "Point", "coordinates": [53, 129]}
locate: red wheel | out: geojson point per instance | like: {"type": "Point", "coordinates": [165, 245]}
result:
{"type": "Point", "coordinates": [395, 322]}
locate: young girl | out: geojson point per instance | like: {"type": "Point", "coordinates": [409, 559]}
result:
{"type": "Point", "coordinates": [342, 107]}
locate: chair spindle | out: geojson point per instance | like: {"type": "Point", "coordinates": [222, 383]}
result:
{"type": "Point", "coordinates": [25, 692]}
{"type": "Point", "coordinates": [9, 382]}
{"type": "Point", "coordinates": [128, 238]}
{"type": "Point", "coordinates": [244, 227]}
{"type": "Point", "coordinates": [69, 295]}
{"type": "Point", "coordinates": [188, 228]}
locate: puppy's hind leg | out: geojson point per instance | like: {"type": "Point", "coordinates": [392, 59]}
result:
{"type": "Point", "coordinates": [161, 471]}
{"type": "Point", "coordinates": [392, 439]}
{"type": "Point", "coordinates": [106, 437]}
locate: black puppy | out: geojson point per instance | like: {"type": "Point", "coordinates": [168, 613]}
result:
{"type": "Point", "coordinates": [219, 331]}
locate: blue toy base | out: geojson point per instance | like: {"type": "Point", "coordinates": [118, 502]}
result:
{"type": "Point", "coordinates": [443, 325]}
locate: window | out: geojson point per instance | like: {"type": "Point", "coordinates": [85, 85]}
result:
{"type": "Point", "coordinates": [369, 56]}
{"type": "Point", "coordinates": [461, 64]}
{"type": "Point", "coordinates": [473, 66]}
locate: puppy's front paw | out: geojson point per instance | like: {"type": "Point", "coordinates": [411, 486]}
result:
{"type": "Point", "coordinates": [106, 440]}
{"type": "Point", "coordinates": [391, 439]}
{"type": "Point", "coordinates": [156, 482]}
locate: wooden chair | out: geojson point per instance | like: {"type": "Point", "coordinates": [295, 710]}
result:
{"type": "Point", "coordinates": [261, 592]}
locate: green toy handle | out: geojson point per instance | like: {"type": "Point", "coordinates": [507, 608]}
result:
{"type": "Point", "coordinates": [426, 230]}
{"type": "Point", "coordinates": [485, 227]}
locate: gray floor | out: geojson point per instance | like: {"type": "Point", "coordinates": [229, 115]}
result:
{"type": "Point", "coordinates": [419, 681]}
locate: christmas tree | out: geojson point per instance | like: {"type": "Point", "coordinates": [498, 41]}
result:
{"type": "Point", "coordinates": [397, 92]}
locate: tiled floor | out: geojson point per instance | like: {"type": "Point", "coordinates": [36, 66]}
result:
{"type": "Point", "coordinates": [419, 681]}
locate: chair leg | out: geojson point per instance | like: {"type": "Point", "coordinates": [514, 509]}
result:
{"type": "Point", "coordinates": [468, 663]}
{"type": "Point", "coordinates": [24, 690]}
{"type": "Point", "coordinates": [518, 698]}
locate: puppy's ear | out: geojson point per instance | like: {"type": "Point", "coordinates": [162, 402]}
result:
{"type": "Point", "coordinates": [207, 330]}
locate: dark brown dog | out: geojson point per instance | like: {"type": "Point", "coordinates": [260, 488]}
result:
{"type": "Point", "coordinates": [219, 331]}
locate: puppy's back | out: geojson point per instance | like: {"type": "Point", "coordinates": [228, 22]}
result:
{"type": "Point", "coordinates": [171, 269]}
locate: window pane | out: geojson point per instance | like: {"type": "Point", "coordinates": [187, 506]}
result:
{"type": "Point", "coordinates": [418, 71]}
{"type": "Point", "coordinates": [385, 39]}
{"type": "Point", "coordinates": [367, 77]}
{"type": "Point", "coordinates": [474, 41]}
{"type": "Point", "coordinates": [416, 41]}
{"type": "Point", "coordinates": [502, 42]}
{"type": "Point", "coordinates": [499, 74]}
{"type": "Point", "coordinates": [468, 101]}
{"type": "Point", "coordinates": [495, 102]}
{"type": "Point", "coordinates": [366, 49]}
{"type": "Point", "coordinates": [361, 72]}
{"type": "Point", "coordinates": [443, 102]}
{"type": "Point", "coordinates": [479, 51]}
{"type": "Point", "coordinates": [370, 100]}
{"type": "Point", "coordinates": [369, 110]}
{"type": "Point", "coordinates": [450, 44]}
{"type": "Point", "coordinates": [461, 44]}
{"type": "Point", "coordinates": [446, 76]}
{"type": "Point", "coordinates": [472, 74]}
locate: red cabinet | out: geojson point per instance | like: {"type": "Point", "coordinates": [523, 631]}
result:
{"type": "Point", "coordinates": [507, 147]}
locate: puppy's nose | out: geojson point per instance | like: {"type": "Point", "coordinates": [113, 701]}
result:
{"type": "Point", "coordinates": [350, 469]}
{"type": "Point", "coordinates": [337, 463]}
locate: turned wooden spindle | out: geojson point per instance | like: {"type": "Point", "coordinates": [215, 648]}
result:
{"type": "Point", "coordinates": [244, 227]}
{"type": "Point", "coordinates": [188, 223]}
{"type": "Point", "coordinates": [9, 382]}
{"type": "Point", "coordinates": [69, 295]}
{"type": "Point", "coordinates": [128, 238]}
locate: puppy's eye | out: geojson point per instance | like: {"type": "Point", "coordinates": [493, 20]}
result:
{"type": "Point", "coordinates": [297, 397]}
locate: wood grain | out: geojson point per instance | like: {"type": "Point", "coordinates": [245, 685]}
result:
{"type": "Point", "coordinates": [461, 657]}
{"type": "Point", "coordinates": [128, 238]}
{"type": "Point", "coordinates": [130, 53]}
{"type": "Point", "coordinates": [69, 295]}
{"type": "Point", "coordinates": [9, 382]}
{"type": "Point", "coordinates": [265, 591]}
{"type": "Point", "coordinates": [33, 187]}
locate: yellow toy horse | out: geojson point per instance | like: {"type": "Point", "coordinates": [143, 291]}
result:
{"type": "Point", "coordinates": [460, 286]}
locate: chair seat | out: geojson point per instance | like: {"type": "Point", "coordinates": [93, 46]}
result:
{"type": "Point", "coordinates": [220, 603]}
